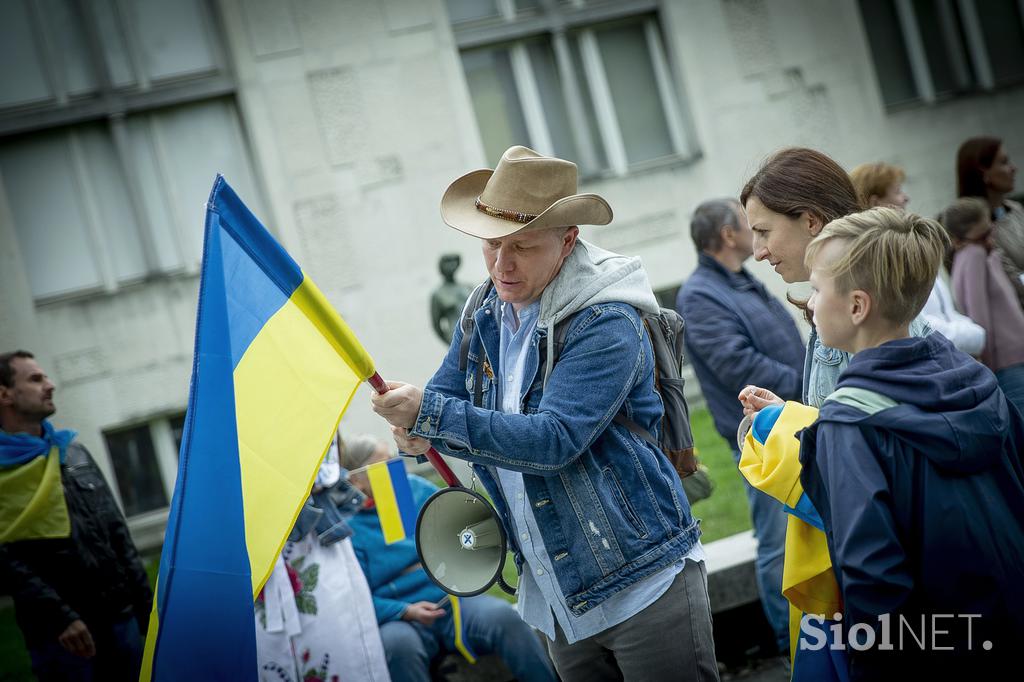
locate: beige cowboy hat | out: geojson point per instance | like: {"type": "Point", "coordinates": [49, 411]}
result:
{"type": "Point", "coordinates": [526, 191]}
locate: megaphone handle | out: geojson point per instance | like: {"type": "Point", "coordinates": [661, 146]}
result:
{"type": "Point", "coordinates": [433, 456]}
{"type": "Point", "coordinates": [505, 587]}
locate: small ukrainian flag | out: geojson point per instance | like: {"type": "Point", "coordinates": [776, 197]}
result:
{"type": "Point", "coordinates": [392, 496]}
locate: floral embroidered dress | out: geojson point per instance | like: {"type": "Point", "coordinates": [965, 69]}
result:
{"type": "Point", "coordinates": [314, 619]}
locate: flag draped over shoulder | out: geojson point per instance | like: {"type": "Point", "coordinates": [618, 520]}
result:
{"type": "Point", "coordinates": [274, 369]}
{"type": "Point", "coordinates": [32, 504]}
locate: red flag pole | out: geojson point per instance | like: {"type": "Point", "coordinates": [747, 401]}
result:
{"type": "Point", "coordinates": [433, 456]}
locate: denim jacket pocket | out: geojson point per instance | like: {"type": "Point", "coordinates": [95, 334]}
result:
{"type": "Point", "coordinates": [627, 509]}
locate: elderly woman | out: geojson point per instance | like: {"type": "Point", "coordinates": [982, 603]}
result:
{"type": "Point", "coordinates": [984, 170]}
{"type": "Point", "coordinates": [415, 626]}
{"type": "Point", "coordinates": [314, 617]}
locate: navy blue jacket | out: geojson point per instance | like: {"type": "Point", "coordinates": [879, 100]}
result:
{"type": "Point", "coordinates": [737, 334]}
{"type": "Point", "coordinates": [923, 503]}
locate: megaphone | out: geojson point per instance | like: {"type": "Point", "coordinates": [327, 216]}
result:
{"type": "Point", "coordinates": [461, 543]}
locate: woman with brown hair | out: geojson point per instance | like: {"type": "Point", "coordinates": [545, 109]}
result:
{"type": "Point", "coordinates": [984, 170]}
{"type": "Point", "coordinates": [789, 201]}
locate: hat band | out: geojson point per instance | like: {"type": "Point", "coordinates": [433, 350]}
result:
{"type": "Point", "coordinates": [504, 213]}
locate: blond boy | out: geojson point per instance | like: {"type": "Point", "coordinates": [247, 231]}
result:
{"type": "Point", "coordinates": [913, 464]}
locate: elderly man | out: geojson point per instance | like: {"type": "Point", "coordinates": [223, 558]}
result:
{"type": "Point", "coordinates": [81, 596]}
{"type": "Point", "coordinates": [738, 334]}
{"type": "Point", "coordinates": [611, 568]}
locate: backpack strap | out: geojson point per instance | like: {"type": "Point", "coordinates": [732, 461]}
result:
{"type": "Point", "coordinates": [622, 420]}
{"type": "Point", "coordinates": [561, 331]}
{"type": "Point", "coordinates": [468, 324]}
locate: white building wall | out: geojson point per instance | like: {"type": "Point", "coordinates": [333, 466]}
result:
{"type": "Point", "coordinates": [357, 117]}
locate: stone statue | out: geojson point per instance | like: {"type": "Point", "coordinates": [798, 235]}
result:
{"type": "Point", "coordinates": [448, 299]}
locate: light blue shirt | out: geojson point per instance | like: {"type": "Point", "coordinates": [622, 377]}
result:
{"type": "Point", "coordinates": [541, 601]}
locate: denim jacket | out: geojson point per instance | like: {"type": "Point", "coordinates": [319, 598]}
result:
{"type": "Point", "coordinates": [610, 507]}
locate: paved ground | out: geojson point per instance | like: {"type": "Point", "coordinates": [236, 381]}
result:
{"type": "Point", "coordinates": [761, 670]}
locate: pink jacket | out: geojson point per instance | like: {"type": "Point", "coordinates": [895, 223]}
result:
{"type": "Point", "coordinates": [988, 298]}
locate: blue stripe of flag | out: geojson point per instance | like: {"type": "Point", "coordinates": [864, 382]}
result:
{"type": "Point", "coordinates": [403, 495]}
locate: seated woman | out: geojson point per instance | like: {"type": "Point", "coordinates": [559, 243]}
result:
{"type": "Point", "coordinates": [414, 627]}
{"type": "Point", "coordinates": [314, 617]}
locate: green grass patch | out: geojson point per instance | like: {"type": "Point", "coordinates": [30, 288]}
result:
{"type": "Point", "coordinates": [726, 512]}
{"type": "Point", "coordinates": [14, 662]}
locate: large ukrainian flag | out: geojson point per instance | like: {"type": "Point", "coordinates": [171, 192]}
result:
{"type": "Point", "coordinates": [274, 369]}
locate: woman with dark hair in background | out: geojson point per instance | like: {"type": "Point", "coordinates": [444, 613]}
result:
{"type": "Point", "coordinates": [984, 170]}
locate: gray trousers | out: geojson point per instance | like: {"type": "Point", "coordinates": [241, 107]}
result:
{"type": "Point", "coordinates": [669, 640]}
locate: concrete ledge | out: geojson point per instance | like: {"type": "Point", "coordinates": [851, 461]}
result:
{"type": "Point", "coordinates": [732, 580]}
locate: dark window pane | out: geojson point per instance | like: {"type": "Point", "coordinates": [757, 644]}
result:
{"type": "Point", "coordinates": [601, 158]}
{"type": "Point", "coordinates": [177, 431]}
{"type": "Point", "coordinates": [1003, 28]}
{"type": "Point", "coordinates": [667, 296]}
{"type": "Point", "coordinates": [627, 65]}
{"type": "Point", "coordinates": [943, 45]}
{"type": "Point", "coordinates": [885, 39]}
{"type": "Point", "coordinates": [495, 100]}
{"type": "Point", "coordinates": [549, 83]}
{"type": "Point", "coordinates": [136, 469]}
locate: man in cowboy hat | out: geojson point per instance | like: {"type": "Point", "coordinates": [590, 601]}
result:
{"type": "Point", "coordinates": [611, 568]}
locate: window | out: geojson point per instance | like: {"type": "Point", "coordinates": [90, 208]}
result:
{"type": "Point", "coordinates": [928, 50]}
{"type": "Point", "coordinates": [145, 461]}
{"type": "Point", "coordinates": [114, 118]}
{"type": "Point", "coordinates": [667, 296]}
{"type": "Point", "coordinates": [138, 474]}
{"type": "Point", "coordinates": [585, 81]}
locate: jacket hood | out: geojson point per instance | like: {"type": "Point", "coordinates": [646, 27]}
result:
{"type": "Point", "coordinates": [591, 275]}
{"type": "Point", "coordinates": [948, 406]}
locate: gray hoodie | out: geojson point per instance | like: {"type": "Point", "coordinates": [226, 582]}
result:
{"type": "Point", "coordinates": [591, 275]}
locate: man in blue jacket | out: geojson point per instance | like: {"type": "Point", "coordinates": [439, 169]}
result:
{"type": "Point", "coordinates": [611, 568]}
{"type": "Point", "coordinates": [739, 334]}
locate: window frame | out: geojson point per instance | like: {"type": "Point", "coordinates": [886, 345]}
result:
{"type": "Point", "coordinates": [162, 439]}
{"type": "Point", "coordinates": [512, 29]}
{"type": "Point", "coordinates": [112, 105]}
{"type": "Point", "coordinates": [968, 58]}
